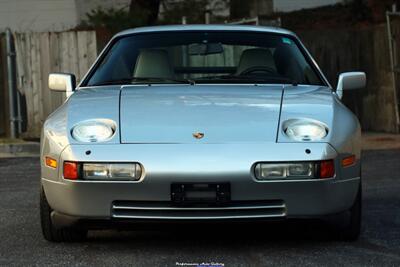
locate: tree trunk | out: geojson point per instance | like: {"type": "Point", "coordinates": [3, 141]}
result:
{"type": "Point", "coordinates": [148, 8]}
{"type": "Point", "coordinates": [240, 9]}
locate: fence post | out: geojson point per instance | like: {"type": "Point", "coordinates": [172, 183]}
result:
{"type": "Point", "coordinates": [12, 90]}
{"type": "Point", "coordinates": [393, 62]}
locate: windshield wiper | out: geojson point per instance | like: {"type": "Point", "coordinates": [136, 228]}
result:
{"type": "Point", "coordinates": [146, 80]}
{"type": "Point", "coordinates": [247, 78]}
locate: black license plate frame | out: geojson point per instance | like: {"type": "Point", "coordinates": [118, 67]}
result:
{"type": "Point", "coordinates": [197, 194]}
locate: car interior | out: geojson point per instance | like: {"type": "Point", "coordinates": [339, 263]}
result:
{"type": "Point", "coordinates": [156, 63]}
{"type": "Point", "coordinates": [206, 61]}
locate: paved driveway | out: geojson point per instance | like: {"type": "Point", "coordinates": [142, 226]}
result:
{"type": "Point", "coordinates": [295, 244]}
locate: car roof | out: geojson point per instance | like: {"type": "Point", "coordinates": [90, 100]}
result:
{"type": "Point", "coordinates": [205, 27]}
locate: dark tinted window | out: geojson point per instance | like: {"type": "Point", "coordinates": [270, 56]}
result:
{"type": "Point", "coordinates": [228, 57]}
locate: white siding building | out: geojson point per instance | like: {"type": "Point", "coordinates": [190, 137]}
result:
{"type": "Point", "coordinates": [50, 15]}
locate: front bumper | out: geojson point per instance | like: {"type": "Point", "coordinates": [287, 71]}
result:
{"type": "Point", "coordinates": [164, 164]}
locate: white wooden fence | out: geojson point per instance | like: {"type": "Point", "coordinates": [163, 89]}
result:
{"type": "Point", "coordinates": [39, 54]}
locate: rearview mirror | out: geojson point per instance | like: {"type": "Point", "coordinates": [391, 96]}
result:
{"type": "Point", "coordinates": [350, 81]}
{"type": "Point", "coordinates": [205, 49]}
{"type": "Point", "coordinates": [62, 82]}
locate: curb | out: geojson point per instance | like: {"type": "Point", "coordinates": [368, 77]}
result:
{"type": "Point", "coordinates": [28, 149]}
{"type": "Point", "coordinates": [380, 141]}
{"type": "Point", "coordinates": [370, 141]}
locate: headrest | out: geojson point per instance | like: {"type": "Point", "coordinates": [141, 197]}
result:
{"type": "Point", "coordinates": [153, 63]}
{"type": "Point", "coordinates": [256, 57]}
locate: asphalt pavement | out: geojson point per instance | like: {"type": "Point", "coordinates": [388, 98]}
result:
{"type": "Point", "coordinates": [272, 244]}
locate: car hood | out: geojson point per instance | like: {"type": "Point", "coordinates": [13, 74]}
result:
{"type": "Point", "coordinates": [222, 113]}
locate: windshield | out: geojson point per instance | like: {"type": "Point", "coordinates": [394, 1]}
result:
{"type": "Point", "coordinates": [204, 57]}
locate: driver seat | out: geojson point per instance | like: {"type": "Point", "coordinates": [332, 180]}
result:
{"type": "Point", "coordinates": [256, 57]}
{"type": "Point", "coordinates": [153, 63]}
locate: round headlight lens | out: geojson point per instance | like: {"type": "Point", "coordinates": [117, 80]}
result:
{"type": "Point", "coordinates": [93, 131]}
{"type": "Point", "coordinates": [305, 130]}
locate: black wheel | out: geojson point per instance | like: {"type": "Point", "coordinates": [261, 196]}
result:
{"type": "Point", "coordinates": [350, 227]}
{"type": "Point", "coordinates": [53, 234]}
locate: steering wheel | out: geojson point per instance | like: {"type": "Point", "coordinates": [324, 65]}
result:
{"type": "Point", "coordinates": [258, 69]}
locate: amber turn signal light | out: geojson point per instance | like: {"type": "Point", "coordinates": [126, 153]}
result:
{"type": "Point", "coordinates": [70, 170]}
{"type": "Point", "coordinates": [50, 162]}
{"type": "Point", "coordinates": [348, 161]}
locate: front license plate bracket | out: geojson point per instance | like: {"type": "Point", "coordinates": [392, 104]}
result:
{"type": "Point", "coordinates": [208, 194]}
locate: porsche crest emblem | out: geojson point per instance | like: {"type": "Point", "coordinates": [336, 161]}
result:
{"type": "Point", "coordinates": [198, 135]}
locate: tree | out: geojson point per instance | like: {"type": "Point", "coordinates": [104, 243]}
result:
{"type": "Point", "coordinates": [240, 9]}
{"type": "Point", "coordinates": [193, 10]}
{"type": "Point", "coordinates": [147, 9]}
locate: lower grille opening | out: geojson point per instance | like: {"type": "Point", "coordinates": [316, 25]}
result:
{"type": "Point", "coordinates": [165, 210]}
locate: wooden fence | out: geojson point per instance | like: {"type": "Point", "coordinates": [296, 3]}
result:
{"type": "Point", "coordinates": [4, 120]}
{"type": "Point", "coordinates": [367, 49]}
{"type": "Point", "coordinates": [39, 54]}
{"type": "Point", "coordinates": [336, 51]}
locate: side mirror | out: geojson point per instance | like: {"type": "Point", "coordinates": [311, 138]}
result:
{"type": "Point", "coordinates": [350, 81]}
{"type": "Point", "coordinates": [62, 82]}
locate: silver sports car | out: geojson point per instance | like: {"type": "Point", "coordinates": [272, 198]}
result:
{"type": "Point", "coordinates": [200, 123]}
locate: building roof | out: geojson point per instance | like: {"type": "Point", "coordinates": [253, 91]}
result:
{"type": "Point", "coordinates": [205, 27]}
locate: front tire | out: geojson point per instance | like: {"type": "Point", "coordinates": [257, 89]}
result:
{"type": "Point", "coordinates": [350, 228]}
{"type": "Point", "coordinates": [53, 234]}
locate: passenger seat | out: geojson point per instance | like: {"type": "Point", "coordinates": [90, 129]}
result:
{"type": "Point", "coordinates": [255, 57]}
